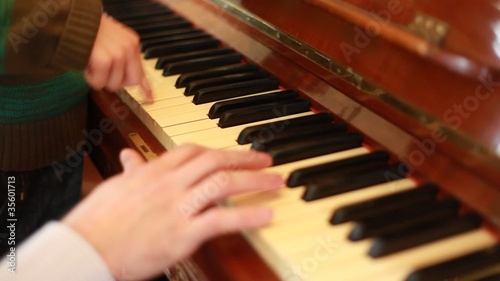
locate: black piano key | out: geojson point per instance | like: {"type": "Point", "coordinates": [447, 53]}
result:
{"type": "Point", "coordinates": [173, 39]}
{"type": "Point", "coordinates": [129, 5]}
{"type": "Point", "coordinates": [314, 146]}
{"type": "Point", "coordinates": [220, 107]}
{"type": "Point", "coordinates": [187, 78]}
{"type": "Point", "coordinates": [381, 205]}
{"type": "Point", "coordinates": [256, 113]}
{"type": "Point", "coordinates": [155, 27]}
{"type": "Point", "coordinates": [163, 61]}
{"type": "Point", "coordinates": [139, 14]}
{"type": "Point", "coordinates": [163, 37]}
{"type": "Point", "coordinates": [125, 13]}
{"type": "Point", "coordinates": [403, 219]}
{"type": "Point", "coordinates": [339, 185]}
{"type": "Point", "coordinates": [181, 47]}
{"type": "Point", "coordinates": [150, 20]}
{"type": "Point", "coordinates": [235, 90]}
{"type": "Point", "coordinates": [193, 87]}
{"type": "Point", "coordinates": [301, 176]}
{"type": "Point", "coordinates": [396, 242]}
{"type": "Point", "coordinates": [471, 267]}
{"type": "Point", "coordinates": [153, 21]}
{"type": "Point", "coordinates": [200, 63]}
{"type": "Point", "coordinates": [265, 143]}
{"type": "Point", "coordinates": [267, 130]}
{"type": "Point", "coordinates": [162, 277]}
{"type": "Point", "coordinates": [145, 38]}
{"type": "Point", "coordinates": [295, 133]}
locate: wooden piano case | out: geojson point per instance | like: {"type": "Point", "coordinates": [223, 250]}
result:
{"type": "Point", "coordinates": [418, 78]}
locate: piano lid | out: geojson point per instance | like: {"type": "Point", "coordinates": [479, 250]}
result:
{"type": "Point", "coordinates": [468, 33]}
{"type": "Point", "coordinates": [461, 36]}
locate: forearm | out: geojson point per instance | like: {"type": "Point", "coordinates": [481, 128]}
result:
{"type": "Point", "coordinates": [54, 253]}
{"type": "Point", "coordinates": [55, 34]}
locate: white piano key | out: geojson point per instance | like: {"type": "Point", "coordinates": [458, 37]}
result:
{"type": "Point", "coordinates": [299, 230]}
{"type": "Point", "coordinates": [162, 89]}
{"type": "Point", "coordinates": [297, 225]}
{"type": "Point", "coordinates": [193, 113]}
{"type": "Point", "coordinates": [193, 127]}
{"type": "Point", "coordinates": [398, 266]}
{"type": "Point", "coordinates": [175, 105]}
{"type": "Point", "coordinates": [166, 108]}
{"type": "Point", "coordinates": [182, 118]}
{"type": "Point", "coordinates": [216, 137]}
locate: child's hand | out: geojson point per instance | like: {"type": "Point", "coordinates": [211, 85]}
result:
{"type": "Point", "coordinates": [115, 61]}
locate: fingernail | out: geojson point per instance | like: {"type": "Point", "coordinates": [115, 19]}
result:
{"type": "Point", "coordinates": [146, 88]}
{"type": "Point", "coordinates": [145, 84]}
{"type": "Point", "coordinates": [124, 156]}
{"type": "Point", "coordinates": [278, 180]}
{"type": "Point", "coordinates": [264, 156]}
{"type": "Point", "coordinates": [266, 214]}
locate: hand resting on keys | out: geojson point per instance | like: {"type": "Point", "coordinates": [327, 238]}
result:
{"type": "Point", "coordinates": [115, 60]}
{"type": "Point", "coordinates": [155, 214]}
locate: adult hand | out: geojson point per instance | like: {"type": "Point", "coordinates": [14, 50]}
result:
{"type": "Point", "coordinates": [155, 214]}
{"type": "Point", "coordinates": [115, 60]}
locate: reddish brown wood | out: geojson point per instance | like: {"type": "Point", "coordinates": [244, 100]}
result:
{"type": "Point", "coordinates": [106, 106]}
{"type": "Point", "coordinates": [431, 79]}
{"type": "Point", "coordinates": [231, 258]}
{"type": "Point", "coordinates": [473, 27]}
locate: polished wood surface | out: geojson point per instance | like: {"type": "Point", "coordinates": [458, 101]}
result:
{"type": "Point", "coordinates": [106, 107]}
{"type": "Point", "coordinates": [431, 78]}
{"type": "Point", "coordinates": [472, 29]}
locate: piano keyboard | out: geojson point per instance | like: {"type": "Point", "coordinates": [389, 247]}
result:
{"type": "Point", "coordinates": [348, 214]}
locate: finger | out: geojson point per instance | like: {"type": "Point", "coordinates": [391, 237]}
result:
{"type": "Point", "coordinates": [130, 160]}
{"type": "Point", "coordinates": [98, 70]}
{"type": "Point", "coordinates": [134, 71]}
{"type": "Point", "coordinates": [224, 184]}
{"type": "Point", "coordinates": [146, 90]}
{"type": "Point", "coordinates": [218, 220]}
{"type": "Point", "coordinates": [176, 157]}
{"type": "Point", "coordinates": [134, 74]}
{"type": "Point", "coordinates": [117, 73]}
{"type": "Point", "coordinates": [212, 161]}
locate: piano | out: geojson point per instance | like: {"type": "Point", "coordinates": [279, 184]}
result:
{"type": "Point", "coordinates": [382, 115]}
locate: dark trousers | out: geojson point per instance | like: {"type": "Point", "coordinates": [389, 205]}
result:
{"type": "Point", "coordinates": [40, 196]}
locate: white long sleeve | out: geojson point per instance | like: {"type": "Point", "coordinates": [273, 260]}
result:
{"type": "Point", "coordinates": [56, 253]}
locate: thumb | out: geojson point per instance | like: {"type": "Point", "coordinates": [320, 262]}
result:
{"type": "Point", "coordinates": [130, 159]}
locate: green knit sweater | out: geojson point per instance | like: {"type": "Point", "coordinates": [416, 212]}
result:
{"type": "Point", "coordinates": [44, 46]}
